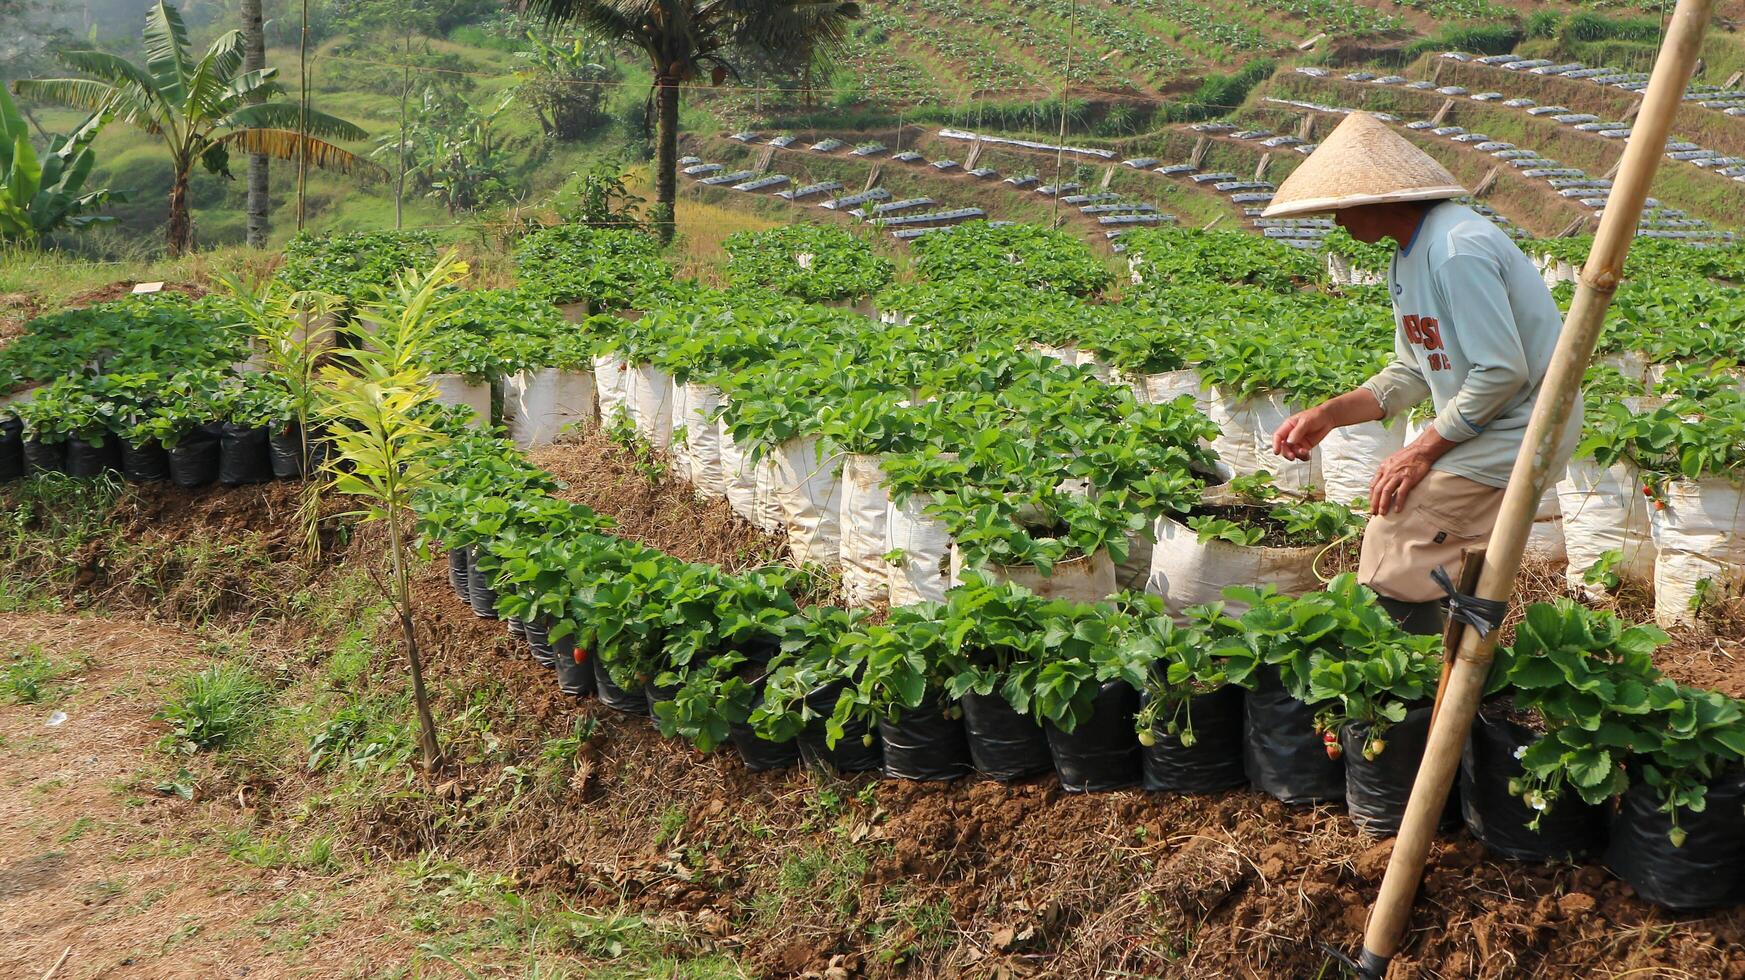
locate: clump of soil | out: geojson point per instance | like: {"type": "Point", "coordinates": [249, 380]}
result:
{"type": "Point", "coordinates": [119, 290]}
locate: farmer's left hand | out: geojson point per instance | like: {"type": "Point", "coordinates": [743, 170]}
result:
{"type": "Point", "coordinates": [1395, 478]}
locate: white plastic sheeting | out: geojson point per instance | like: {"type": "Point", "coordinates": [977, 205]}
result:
{"type": "Point", "coordinates": [540, 403]}
{"type": "Point", "coordinates": [866, 508]}
{"type": "Point", "coordinates": [1186, 572]}
{"type": "Point", "coordinates": [611, 377]}
{"type": "Point", "coordinates": [1087, 578]}
{"type": "Point", "coordinates": [1698, 541]}
{"type": "Point", "coordinates": [1244, 442]}
{"type": "Point", "coordinates": [649, 398]}
{"type": "Point", "coordinates": [455, 389]}
{"type": "Point", "coordinates": [1604, 510]}
{"type": "Point", "coordinates": [808, 489]}
{"type": "Point", "coordinates": [738, 477]}
{"type": "Point", "coordinates": [922, 570]}
{"type": "Point", "coordinates": [1350, 455]}
{"type": "Point", "coordinates": [701, 449]}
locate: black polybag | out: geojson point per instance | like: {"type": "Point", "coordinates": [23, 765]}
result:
{"type": "Point", "coordinates": [457, 574]}
{"type": "Point", "coordinates": [759, 753]}
{"type": "Point", "coordinates": [1376, 789]}
{"type": "Point", "coordinates": [1569, 829]}
{"type": "Point", "coordinates": [925, 742]}
{"type": "Point", "coordinates": [144, 462]}
{"type": "Point", "coordinates": [1709, 870]}
{"type": "Point", "coordinates": [858, 749]}
{"type": "Point", "coordinates": [11, 449]}
{"type": "Point", "coordinates": [1281, 750]}
{"type": "Point", "coordinates": [540, 642]}
{"type": "Point", "coordinates": [194, 460]}
{"type": "Point", "coordinates": [243, 456]}
{"type": "Point", "coordinates": [1214, 762]}
{"type": "Point", "coordinates": [1102, 753]}
{"type": "Point", "coordinates": [656, 693]}
{"type": "Point", "coordinates": [44, 457]}
{"type": "Point", "coordinates": [285, 449]}
{"type": "Point", "coordinates": [575, 678]}
{"type": "Point", "coordinates": [1004, 744]}
{"type": "Point", "coordinates": [480, 595]}
{"type": "Point", "coordinates": [87, 461]}
{"type": "Point", "coordinates": [517, 628]}
{"type": "Point", "coordinates": [615, 697]}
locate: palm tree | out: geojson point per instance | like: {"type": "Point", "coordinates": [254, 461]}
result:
{"type": "Point", "coordinates": [254, 39]}
{"type": "Point", "coordinates": [682, 37]}
{"type": "Point", "coordinates": [201, 109]}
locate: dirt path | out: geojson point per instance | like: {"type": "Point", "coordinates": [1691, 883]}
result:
{"type": "Point", "coordinates": [137, 882]}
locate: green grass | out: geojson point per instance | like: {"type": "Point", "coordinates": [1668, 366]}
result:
{"type": "Point", "coordinates": [313, 855]}
{"type": "Point", "coordinates": [30, 676]}
{"type": "Point", "coordinates": [215, 708]}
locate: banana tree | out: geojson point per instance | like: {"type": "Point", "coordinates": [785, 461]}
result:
{"type": "Point", "coordinates": [201, 109]}
{"type": "Point", "coordinates": [690, 39]}
{"type": "Point", "coordinates": [40, 195]}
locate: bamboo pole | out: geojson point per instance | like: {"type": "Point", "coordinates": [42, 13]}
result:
{"type": "Point", "coordinates": [1599, 280]}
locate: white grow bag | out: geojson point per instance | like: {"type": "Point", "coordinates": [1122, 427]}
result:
{"type": "Point", "coordinates": [768, 507]}
{"type": "Point", "coordinates": [541, 403]}
{"type": "Point", "coordinates": [1698, 539]}
{"type": "Point", "coordinates": [680, 448]}
{"type": "Point", "coordinates": [611, 377]}
{"type": "Point", "coordinates": [1087, 578]}
{"type": "Point", "coordinates": [649, 397]}
{"type": "Point", "coordinates": [1187, 573]}
{"type": "Point", "coordinates": [1244, 442]}
{"type": "Point", "coordinates": [808, 489]}
{"type": "Point", "coordinates": [456, 390]}
{"type": "Point", "coordinates": [738, 477]}
{"type": "Point", "coordinates": [1350, 455]}
{"type": "Point", "coordinates": [923, 569]}
{"type": "Point", "coordinates": [1159, 389]}
{"type": "Point", "coordinates": [1604, 510]}
{"type": "Point", "coordinates": [702, 450]}
{"type": "Point", "coordinates": [864, 522]}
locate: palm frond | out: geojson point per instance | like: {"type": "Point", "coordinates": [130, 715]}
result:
{"type": "Point", "coordinates": [166, 50]}
{"type": "Point", "coordinates": [288, 115]}
{"type": "Point", "coordinates": [616, 20]}
{"type": "Point", "coordinates": [284, 144]}
{"type": "Point", "coordinates": [794, 32]}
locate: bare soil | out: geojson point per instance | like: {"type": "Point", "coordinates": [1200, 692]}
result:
{"type": "Point", "coordinates": [100, 863]}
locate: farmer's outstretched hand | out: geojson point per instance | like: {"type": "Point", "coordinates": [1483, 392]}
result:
{"type": "Point", "coordinates": [1301, 433]}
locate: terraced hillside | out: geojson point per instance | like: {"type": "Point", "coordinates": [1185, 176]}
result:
{"type": "Point", "coordinates": [944, 50]}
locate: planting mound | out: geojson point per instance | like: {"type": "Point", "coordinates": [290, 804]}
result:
{"type": "Point", "coordinates": [803, 871]}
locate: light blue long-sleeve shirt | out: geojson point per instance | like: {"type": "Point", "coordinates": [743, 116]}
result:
{"type": "Point", "coordinates": [1474, 330]}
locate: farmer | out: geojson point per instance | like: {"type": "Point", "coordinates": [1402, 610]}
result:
{"type": "Point", "coordinates": [1474, 331]}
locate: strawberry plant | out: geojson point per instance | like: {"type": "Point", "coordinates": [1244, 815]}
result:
{"type": "Point", "coordinates": [1024, 255]}
{"type": "Point", "coordinates": [1608, 713]}
{"type": "Point", "coordinates": [605, 268]}
{"type": "Point", "coordinates": [357, 263]}
{"type": "Point", "coordinates": [1166, 254]}
{"type": "Point", "coordinates": [815, 263]}
{"type": "Point", "coordinates": [1186, 661]}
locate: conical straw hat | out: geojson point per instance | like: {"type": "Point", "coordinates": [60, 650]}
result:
{"type": "Point", "coordinates": [1362, 162]}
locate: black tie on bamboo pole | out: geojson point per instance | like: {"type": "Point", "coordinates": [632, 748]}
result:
{"type": "Point", "coordinates": [1575, 346]}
